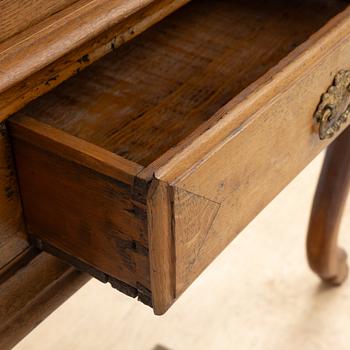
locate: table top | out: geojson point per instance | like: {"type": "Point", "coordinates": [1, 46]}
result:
{"type": "Point", "coordinates": [63, 38]}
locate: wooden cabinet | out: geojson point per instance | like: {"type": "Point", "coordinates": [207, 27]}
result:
{"type": "Point", "coordinates": [142, 168]}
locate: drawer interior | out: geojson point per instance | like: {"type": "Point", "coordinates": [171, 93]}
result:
{"type": "Point", "coordinates": [151, 93]}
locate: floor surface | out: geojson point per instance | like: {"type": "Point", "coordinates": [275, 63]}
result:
{"type": "Point", "coordinates": [259, 294]}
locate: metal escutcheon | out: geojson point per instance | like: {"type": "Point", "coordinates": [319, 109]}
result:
{"type": "Point", "coordinates": [334, 108]}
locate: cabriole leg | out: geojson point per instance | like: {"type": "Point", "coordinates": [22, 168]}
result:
{"type": "Point", "coordinates": [325, 257]}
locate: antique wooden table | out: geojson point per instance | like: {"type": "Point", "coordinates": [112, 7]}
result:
{"type": "Point", "coordinates": [140, 169]}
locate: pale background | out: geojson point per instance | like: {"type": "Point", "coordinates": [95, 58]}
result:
{"type": "Point", "coordinates": [259, 294]}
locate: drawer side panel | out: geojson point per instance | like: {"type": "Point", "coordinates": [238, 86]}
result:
{"type": "Point", "coordinates": [84, 213]}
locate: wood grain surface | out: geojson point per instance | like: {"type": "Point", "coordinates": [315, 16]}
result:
{"type": "Point", "coordinates": [83, 212]}
{"type": "Point", "coordinates": [32, 293]}
{"type": "Point", "coordinates": [41, 57]}
{"type": "Point", "coordinates": [32, 284]}
{"type": "Point", "coordinates": [161, 244]}
{"type": "Point", "coordinates": [19, 15]}
{"type": "Point", "coordinates": [273, 139]}
{"type": "Point", "coordinates": [154, 94]}
{"type": "Point", "coordinates": [158, 88]}
{"type": "Point", "coordinates": [33, 37]}
{"type": "Point", "coordinates": [178, 101]}
{"type": "Point", "coordinates": [13, 240]}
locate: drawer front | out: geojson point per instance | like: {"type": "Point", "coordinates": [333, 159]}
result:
{"type": "Point", "coordinates": [254, 146]}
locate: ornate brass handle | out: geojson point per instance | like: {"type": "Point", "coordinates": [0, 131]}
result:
{"type": "Point", "coordinates": [334, 108]}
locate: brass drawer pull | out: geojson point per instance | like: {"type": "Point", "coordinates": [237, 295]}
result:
{"type": "Point", "coordinates": [334, 108]}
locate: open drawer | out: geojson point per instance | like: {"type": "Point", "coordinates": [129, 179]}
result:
{"type": "Point", "coordinates": [143, 167]}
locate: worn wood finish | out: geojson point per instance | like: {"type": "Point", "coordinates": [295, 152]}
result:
{"type": "Point", "coordinates": [43, 43]}
{"type": "Point", "coordinates": [12, 236]}
{"type": "Point", "coordinates": [161, 242]}
{"type": "Point", "coordinates": [38, 59]}
{"type": "Point", "coordinates": [32, 293]}
{"type": "Point", "coordinates": [159, 87]}
{"type": "Point", "coordinates": [324, 255]}
{"type": "Point", "coordinates": [32, 284]}
{"type": "Point", "coordinates": [207, 155]}
{"type": "Point", "coordinates": [18, 15]}
{"type": "Point", "coordinates": [265, 165]}
{"type": "Point", "coordinates": [89, 213]}
{"type": "Point", "coordinates": [74, 149]}
{"type": "Point", "coordinates": [233, 160]}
